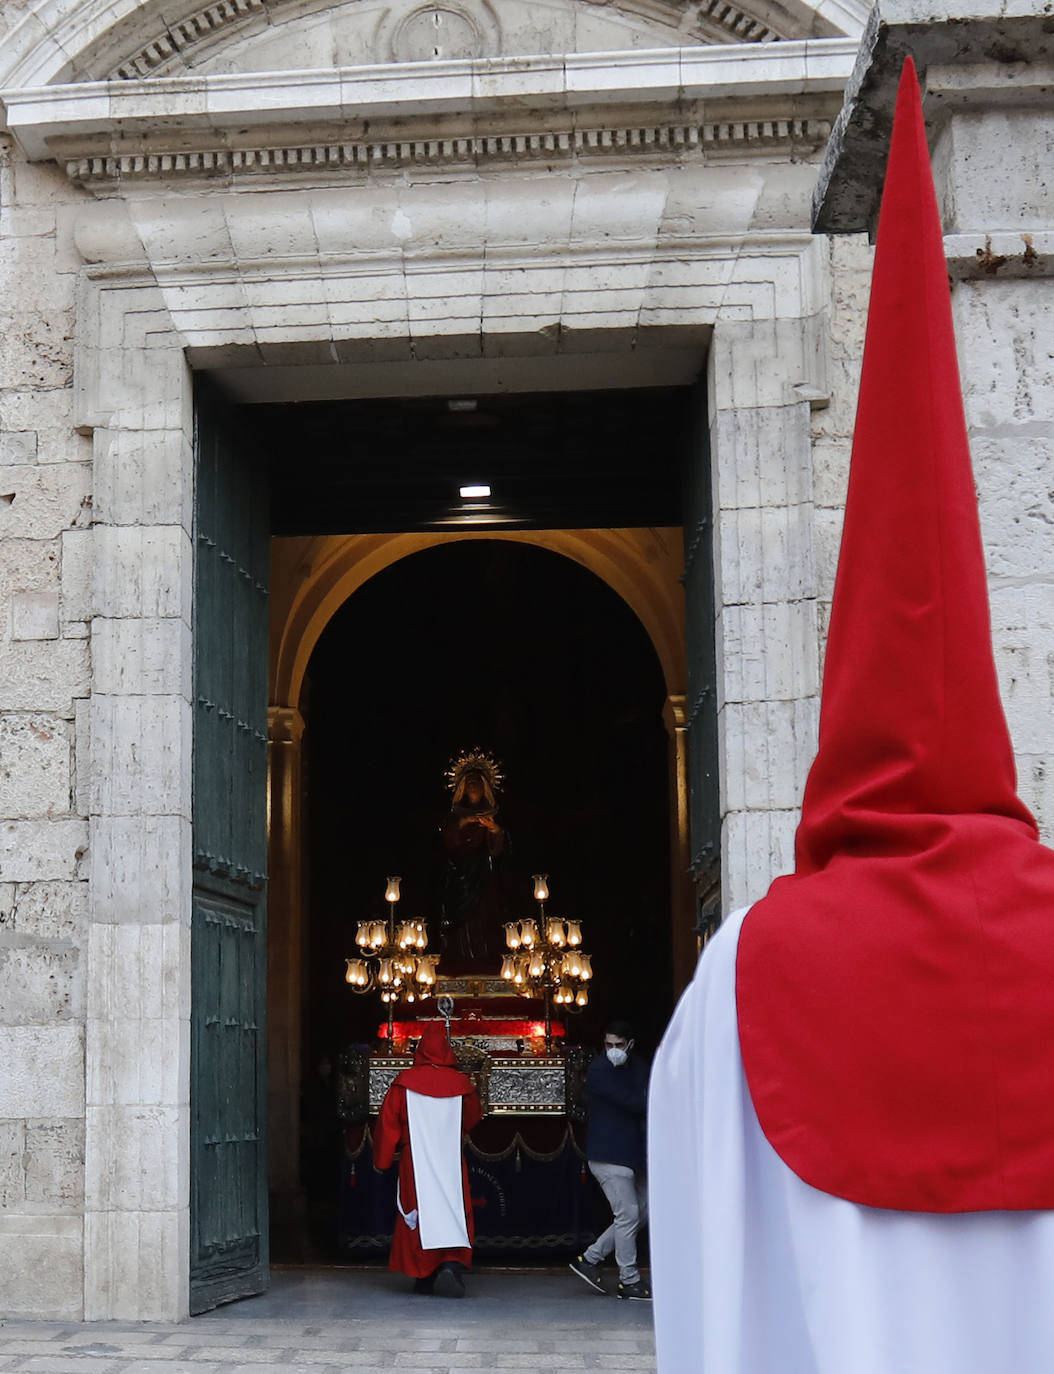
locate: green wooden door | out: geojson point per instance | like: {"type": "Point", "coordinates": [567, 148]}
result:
{"type": "Point", "coordinates": [228, 1190]}
{"type": "Point", "coordinates": [704, 804]}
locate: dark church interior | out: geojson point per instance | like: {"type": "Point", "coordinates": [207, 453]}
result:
{"type": "Point", "coordinates": [505, 646]}
{"type": "Point", "coordinates": [525, 653]}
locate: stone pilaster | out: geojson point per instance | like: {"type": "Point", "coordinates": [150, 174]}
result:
{"type": "Point", "coordinates": [137, 1195]}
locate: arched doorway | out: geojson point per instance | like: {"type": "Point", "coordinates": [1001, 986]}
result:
{"type": "Point", "coordinates": [523, 651]}
{"type": "Point", "coordinates": [316, 587]}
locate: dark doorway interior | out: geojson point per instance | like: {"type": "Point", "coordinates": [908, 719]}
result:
{"type": "Point", "coordinates": [478, 642]}
{"type": "Point", "coordinates": [518, 650]}
{"type": "Point", "coordinates": [563, 460]}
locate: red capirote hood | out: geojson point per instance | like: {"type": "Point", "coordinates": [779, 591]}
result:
{"type": "Point", "coordinates": [895, 994]}
{"type": "Point", "coordinates": [435, 1072]}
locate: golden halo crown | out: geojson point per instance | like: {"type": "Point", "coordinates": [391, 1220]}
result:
{"type": "Point", "coordinates": [474, 761]}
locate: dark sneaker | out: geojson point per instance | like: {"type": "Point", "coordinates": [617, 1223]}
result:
{"type": "Point", "coordinates": [589, 1272]}
{"type": "Point", "coordinates": [636, 1292]}
{"type": "Point", "coordinates": [449, 1281]}
{"type": "Point", "coordinates": [425, 1285]}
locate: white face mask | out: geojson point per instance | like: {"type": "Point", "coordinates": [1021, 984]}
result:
{"type": "Point", "coordinates": [617, 1056]}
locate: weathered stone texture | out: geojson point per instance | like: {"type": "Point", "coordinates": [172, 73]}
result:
{"type": "Point", "coordinates": [765, 588]}
{"type": "Point", "coordinates": [41, 1166]}
{"type": "Point", "coordinates": [39, 501]}
{"type": "Point", "coordinates": [48, 910]}
{"type": "Point", "coordinates": [40, 422]}
{"type": "Point", "coordinates": [45, 491]}
{"type": "Point", "coordinates": [747, 671]}
{"type": "Point", "coordinates": [35, 615]}
{"type": "Point", "coordinates": [755, 845]}
{"type": "Point", "coordinates": [144, 478]}
{"type": "Point", "coordinates": [17, 448]}
{"type": "Point", "coordinates": [769, 746]}
{"type": "Point", "coordinates": [54, 1164]}
{"type": "Point", "coordinates": [38, 675]}
{"type": "Point", "coordinates": [26, 565]}
{"type": "Point", "coordinates": [40, 984]}
{"type": "Point", "coordinates": [997, 166]}
{"type": "Point", "coordinates": [139, 1268]}
{"type": "Point", "coordinates": [143, 571]}
{"type": "Point", "coordinates": [34, 766]}
{"type": "Point", "coordinates": [1005, 333]}
{"type": "Point", "coordinates": [144, 657]}
{"type": "Point", "coordinates": [33, 850]}
{"type": "Point", "coordinates": [42, 1260]}
{"type": "Point", "coordinates": [12, 1164]}
{"type": "Point", "coordinates": [151, 1172]}
{"type": "Point", "coordinates": [1014, 471]}
{"type": "Point", "coordinates": [832, 426]}
{"type": "Point", "coordinates": [42, 1071]}
{"type": "Point", "coordinates": [1006, 352]}
{"type": "Point", "coordinates": [37, 350]}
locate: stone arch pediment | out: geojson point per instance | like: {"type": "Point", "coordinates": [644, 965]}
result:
{"type": "Point", "coordinates": [62, 41]}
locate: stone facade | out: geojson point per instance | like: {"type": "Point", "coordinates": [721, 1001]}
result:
{"type": "Point", "coordinates": [240, 187]}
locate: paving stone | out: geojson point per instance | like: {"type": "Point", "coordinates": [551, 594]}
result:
{"type": "Point", "coordinates": [494, 1329]}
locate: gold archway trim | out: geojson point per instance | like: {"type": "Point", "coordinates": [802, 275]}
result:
{"type": "Point", "coordinates": [311, 578]}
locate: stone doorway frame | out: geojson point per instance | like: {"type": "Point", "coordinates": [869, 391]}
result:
{"type": "Point", "coordinates": [759, 305]}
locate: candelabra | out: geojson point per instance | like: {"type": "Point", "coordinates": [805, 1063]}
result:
{"type": "Point", "coordinates": [546, 959]}
{"type": "Point", "coordinates": [391, 957]}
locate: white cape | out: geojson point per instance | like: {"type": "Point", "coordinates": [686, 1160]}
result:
{"type": "Point", "coordinates": [756, 1272]}
{"type": "Point", "coordinates": [435, 1146]}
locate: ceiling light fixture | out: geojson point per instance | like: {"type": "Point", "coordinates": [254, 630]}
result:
{"type": "Point", "coordinates": [469, 493]}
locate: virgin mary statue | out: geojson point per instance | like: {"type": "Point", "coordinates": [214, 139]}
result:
{"type": "Point", "coordinates": [473, 845]}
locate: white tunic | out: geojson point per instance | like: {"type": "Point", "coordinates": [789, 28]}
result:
{"type": "Point", "coordinates": [756, 1272]}
{"type": "Point", "coordinates": [435, 1147]}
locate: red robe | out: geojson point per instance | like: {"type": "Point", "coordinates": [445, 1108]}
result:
{"type": "Point", "coordinates": [434, 1075]}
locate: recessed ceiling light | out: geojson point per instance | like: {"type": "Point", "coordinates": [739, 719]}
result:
{"type": "Point", "coordinates": [468, 493]}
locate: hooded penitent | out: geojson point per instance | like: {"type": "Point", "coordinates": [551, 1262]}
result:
{"type": "Point", "coordinates": [895, 995]}
{"type": "Point", "coordinates": [435, 1072]}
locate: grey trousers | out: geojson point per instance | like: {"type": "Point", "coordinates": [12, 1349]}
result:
{"type": "Point", "coordinates": [628, 1195]}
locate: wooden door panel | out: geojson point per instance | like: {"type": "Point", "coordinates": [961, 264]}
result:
{"type": "Point", "coordinates": [229, 1244]}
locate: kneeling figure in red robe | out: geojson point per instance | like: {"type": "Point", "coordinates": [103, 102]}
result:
{"type": "Point", "coordinates": [426, 1113]}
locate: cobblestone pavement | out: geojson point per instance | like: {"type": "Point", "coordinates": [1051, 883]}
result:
{"type": "Point", "coordinates": [328, 1321]}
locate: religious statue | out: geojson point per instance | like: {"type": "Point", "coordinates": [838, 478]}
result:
{"type": "Point", "coordinates": [473, 844]}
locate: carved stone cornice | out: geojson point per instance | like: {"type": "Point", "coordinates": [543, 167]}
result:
{"type": "Point", "coordinates": [656, 142]}
{"type": "Point", "coordinates": [729, 94]}
{"type": "Point", "coordinates": [166, 46]}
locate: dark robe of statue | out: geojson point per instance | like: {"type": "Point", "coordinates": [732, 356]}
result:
{"type": "Point", "coordinates": [473, 910]}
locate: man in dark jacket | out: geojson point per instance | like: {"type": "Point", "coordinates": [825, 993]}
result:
{"type": "Point", "coordinates": [617, 1086]}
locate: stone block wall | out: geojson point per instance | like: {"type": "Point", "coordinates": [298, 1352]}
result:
{"type": "Point", "coordinates": [45, 514]}
{"type": "Point", "coordinates": [991, 158]}
{"type": "Point", "coordinates": [1006, 355]}
{"type": "Point", "coordinates": [832, 426]}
